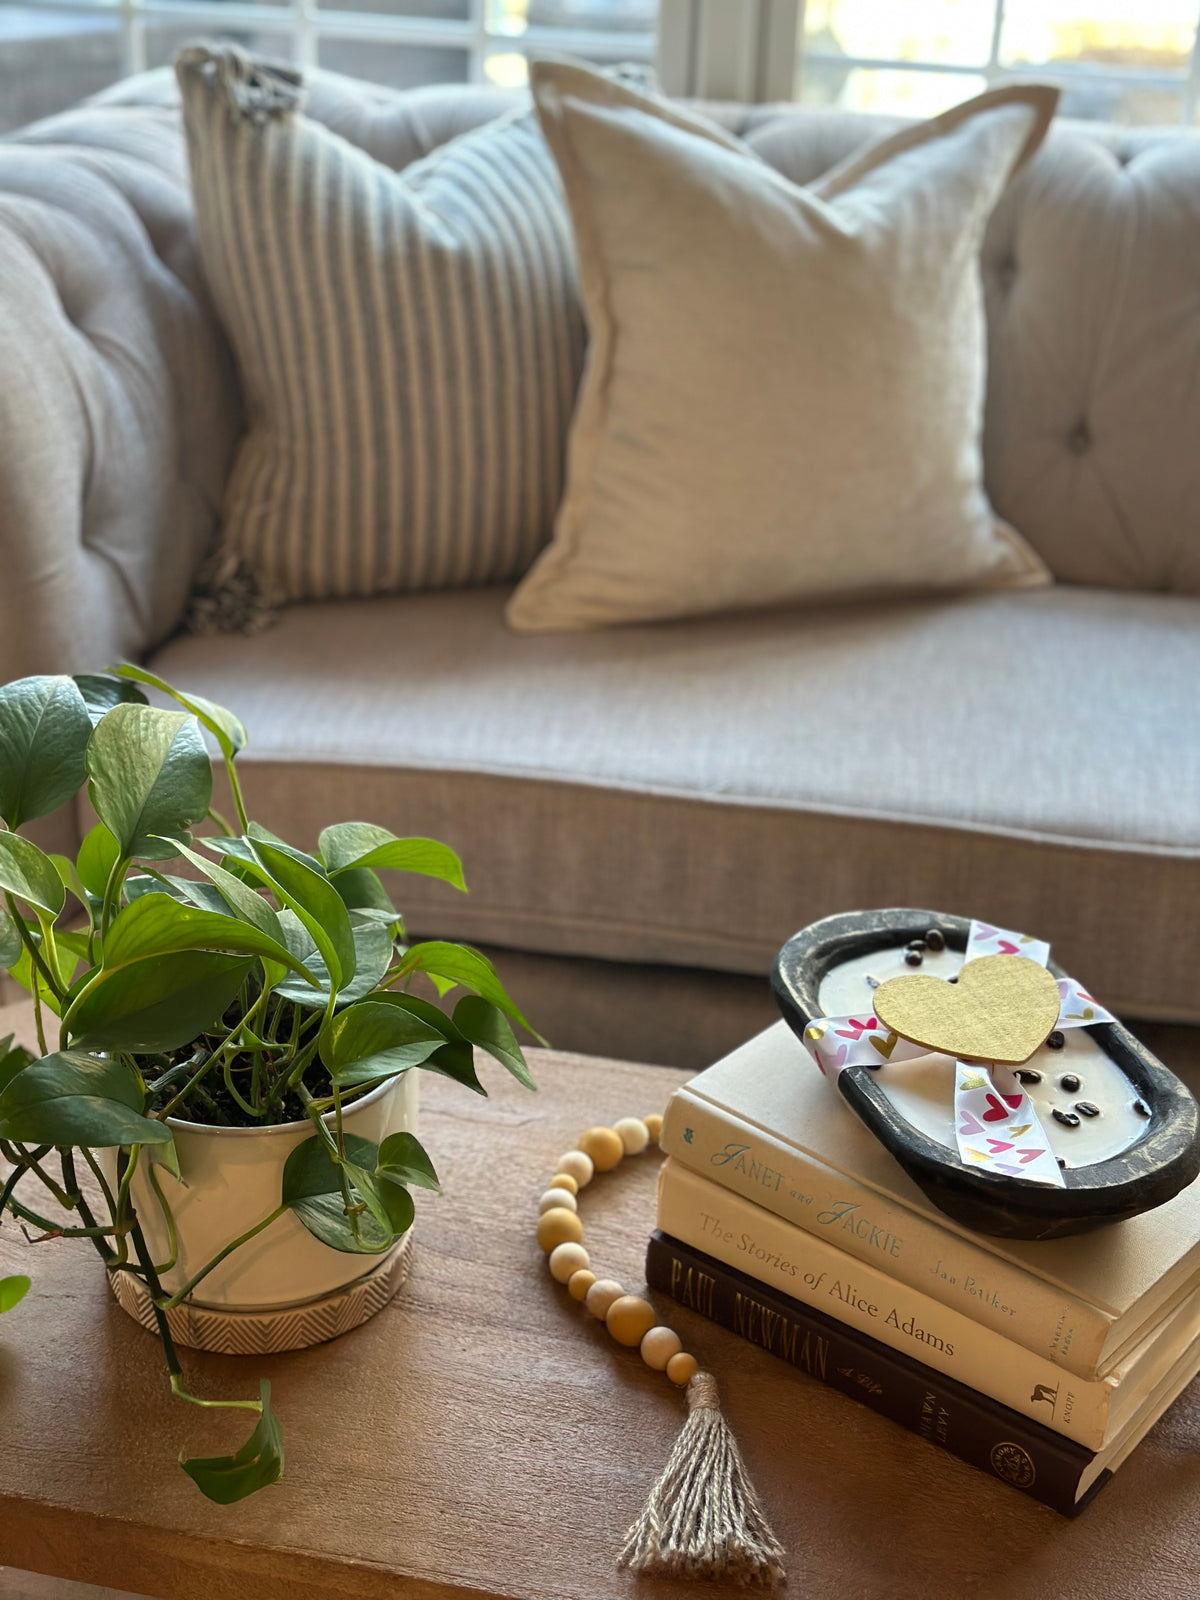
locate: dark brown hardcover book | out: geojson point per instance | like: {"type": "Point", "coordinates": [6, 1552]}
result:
{"type": "Point", "coordinates": [948, 1414]}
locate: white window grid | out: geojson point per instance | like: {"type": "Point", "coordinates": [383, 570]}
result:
{"type": "Point", "coordinates": [998, 72]}
{"type": "Point", "coordinates": [481, 34]}
{"type": "Point", "coordinates": [478, 35]}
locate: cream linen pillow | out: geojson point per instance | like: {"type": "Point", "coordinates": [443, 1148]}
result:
{"type": "Point", "coordinates": [783, 395]}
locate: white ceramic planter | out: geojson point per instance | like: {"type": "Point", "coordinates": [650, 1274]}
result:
{"type": "Point", "coordinates": [284, 1279]}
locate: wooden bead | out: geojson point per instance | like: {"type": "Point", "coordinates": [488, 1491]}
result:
{"type": "Point", "coordinates": [578, 1166]}
{"type": "Point", "coordinates": [633, 1134]}
{"type": "Point", "coordinates": [566, 1260]}
{"type": "Point", "coordinates": [681, 1367]}
{"type": "Point", "coordinates": [601, 1295]}
{"type": "Point", "coordinates": [564, 1180]}
{"type": "Point", "coordinates": [604, 1147]}
{"type": "Point", "coordinates": [558, 1197]}
{"type": "Point", "coordinates": [558, 1226]}
{"type": "Point", "coordinates": [659, 1345]}
{"type": "Point", "coordinates": [653, 1126]}
{"type": "Point", "coordinates": [579, 1283]}
{"type": "Point", "coordinates": [630, 1319]}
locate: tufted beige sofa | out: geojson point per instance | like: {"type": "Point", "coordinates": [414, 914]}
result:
{"type": "Point", "coordinates": [646, 813]}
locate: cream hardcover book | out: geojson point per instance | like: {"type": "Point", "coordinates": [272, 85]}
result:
{"type": "Point", "coordinates": [813, 1270]}
{"type": "Point", "coordinates": [764, 1123]}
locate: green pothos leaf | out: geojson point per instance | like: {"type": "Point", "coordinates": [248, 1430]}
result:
{"type": "Point", "coordinates": [13, 1059]}
{"type": "Point", "coordinates": [486, 1025]}
{"type": "Point", "coordinates": [10, 940]}
{"type": "Point", "coordinates": [348, 845]}
{"type": "Point", "coordinates": [227, 1479]}
{"type": "Point", "coordinates": [13, 1290]}
{"type": "Point", "coordinates": [403, 1159]}
{"type": "Point", "coordinates": [44, 730]}
{"type": "Point", "coordinates": [228, 730]}
{"type": "Point", "coordinates": [460, 964]}
{"type": "Point", "coordinates": [101, 693]}
{"type": "Point", "coordinates": [312, 1187]}
{"type": "Point", "coordinates": [72, 1098]}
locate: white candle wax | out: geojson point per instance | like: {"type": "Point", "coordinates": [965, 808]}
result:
{"type": "Point", "coordinates": [922, 1090]}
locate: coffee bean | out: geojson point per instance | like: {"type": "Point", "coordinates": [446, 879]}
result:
{"type": "Point", "coordinates": [1142, 1109]}
{"type": "Point", "coordinates": [1029, 1075]}
{"type": "Point", "coordinates": [1067, 1118]}
{"type": "Point", "coordinates": [916, 944]}
{"type": "Point", "coordinates": [1088, 1109]}
{"type": "Point", "coordinates": [935, 939]}
{"type": "Point", "coordinates": [912, 958]}
{"type": "Point", "coordinates": [1055, 1041]}
{"type": "Point", "coordinates": [1069, 1082]}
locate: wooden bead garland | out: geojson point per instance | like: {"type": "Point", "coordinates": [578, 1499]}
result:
{"type": "Point", "coordinates": [630, 1319]}
{"type": "Point", "coordinates": [703, 1518]}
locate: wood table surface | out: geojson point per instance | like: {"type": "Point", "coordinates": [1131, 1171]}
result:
{"type": "Point", "coordinates": [482, 1436]}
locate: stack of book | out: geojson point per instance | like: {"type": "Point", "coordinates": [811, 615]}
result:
{"type": "Point", "coordinates": [782, 1218]}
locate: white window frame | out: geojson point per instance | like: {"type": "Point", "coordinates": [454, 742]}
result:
{"type": "Point", "coordinates": [745, 50]}
{"type": "Point", "coordinates": [755, 50]}
{"type": "Point", "coordinates": [307, 23]}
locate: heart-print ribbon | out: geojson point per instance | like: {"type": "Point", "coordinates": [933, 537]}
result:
{"type": "Point", "coordinates": [995, 1123]}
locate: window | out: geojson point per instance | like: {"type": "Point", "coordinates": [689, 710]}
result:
{"type": "Point", "coordinates": [1117, 60]}
{"type": "Point", "coordinates": [52, 55]}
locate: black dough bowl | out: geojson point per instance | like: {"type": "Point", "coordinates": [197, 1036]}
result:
{"type": "Point", "coordinates": [1148, 1172]}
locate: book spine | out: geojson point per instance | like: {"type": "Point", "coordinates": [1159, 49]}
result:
{"type": "Point", "coordinates": [986, 1435]}
{"type": "Point", "coordinates": [796, 1186]}
{"type": "Point", "coordinates": [785, 1257]}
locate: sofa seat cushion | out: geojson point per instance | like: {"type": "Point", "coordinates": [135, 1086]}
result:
{"type": "Point", "coordinates": [693, 793]}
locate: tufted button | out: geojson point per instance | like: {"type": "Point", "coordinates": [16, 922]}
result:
{"type": "Point", "coordinates": [1079, 440]}
{"type": "Point", "coordinates": [1006, 272]}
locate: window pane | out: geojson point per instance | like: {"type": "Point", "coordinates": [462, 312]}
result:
{"type": "Point", "coordinates": [49, 60]}
{"type": "Point", "coordinates": [615, 16]}
{"type": "Point", "coordinates": [898, 93]}
{"type": "Point", "coordinates": [1150, 34]}
{"type": "Point", "coordinates": [400, 66]}
{"type": "Point", "coordinates": [164, 40]}
{"type": "Point", "coordinates": [435, 11]}
{"type": "Point", "coordinates": [507, 69]}
{"type": "Point", "coordinates": [953, 31]}
{"type": "Point", "coordinates": [1152, 38]}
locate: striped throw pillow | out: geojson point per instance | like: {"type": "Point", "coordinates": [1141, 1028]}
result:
{"type": "Point", "coordinates": [409, 343]}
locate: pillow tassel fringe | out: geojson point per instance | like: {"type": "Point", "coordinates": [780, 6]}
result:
{"type": "Point", "coordinates": [255, 89]}
{"type": "Point", "coordinates": [227, 597]}
{"type": "Point", "coordinates": [703, 1518]}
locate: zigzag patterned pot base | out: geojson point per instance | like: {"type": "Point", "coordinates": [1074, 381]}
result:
{"type": "Point", "coordinates": [269, 1330]}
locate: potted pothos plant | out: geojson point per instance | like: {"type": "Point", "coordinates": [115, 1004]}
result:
{"type": "Point", "coordinates": [213, 1004]}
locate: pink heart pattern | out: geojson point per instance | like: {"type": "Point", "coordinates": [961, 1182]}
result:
{"type": "Point", "coordinates": [986, 940]}
{"type": "Point", "coordinates": [997, 1112]}
{"type": "Point", "coordinates": [837, 1043]}
{"type": "Point", "coordinates": [855, 1029]}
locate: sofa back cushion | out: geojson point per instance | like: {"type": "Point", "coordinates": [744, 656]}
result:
{"type": "Point", "coordinates": [409, 344]}
{"type": "Point", "coordinates": [1091, 267]}
{"type": "Point", "coordinates": [1091, 271]}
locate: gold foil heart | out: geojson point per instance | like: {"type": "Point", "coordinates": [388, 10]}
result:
{"type": "Point", "coordinates": [1001, 1009]}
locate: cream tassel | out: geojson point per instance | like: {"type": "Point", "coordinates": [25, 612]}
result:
{"type": "Point", "coordinates": [703, 1518]}
{"type": "Point", "coordinates": [254, 89]}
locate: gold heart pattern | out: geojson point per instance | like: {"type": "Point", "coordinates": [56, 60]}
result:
{"type": "Point", "coordinates": [1000, 1010]}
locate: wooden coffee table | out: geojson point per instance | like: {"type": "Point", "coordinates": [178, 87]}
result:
{"type": "Point", "coordinates": [483, 1436]}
